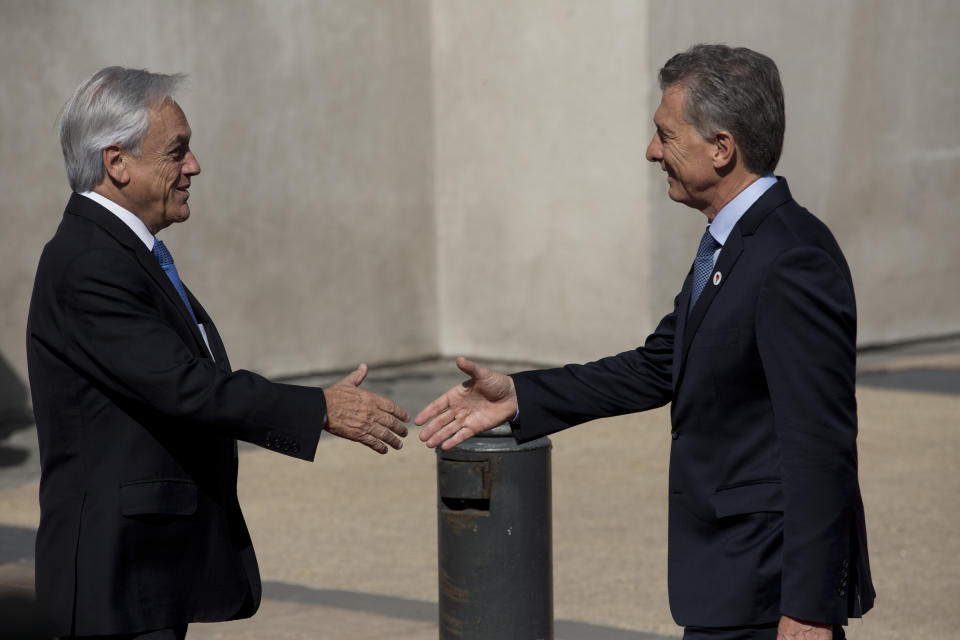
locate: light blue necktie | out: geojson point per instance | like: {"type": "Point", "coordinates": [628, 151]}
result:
{"type": "Point", "coordinates": [702, 265]}
{"type": "Point", "coordinates": [163, 256]}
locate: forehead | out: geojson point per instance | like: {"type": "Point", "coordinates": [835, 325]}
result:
{"type": "Point", "coordinates": [168, 124]}
{"type": "Point", "coordinates": [670, 111]}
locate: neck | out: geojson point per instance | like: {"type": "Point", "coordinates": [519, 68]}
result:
{"type": "Point", "coordinates": [112, 193]}
{"type": "Point", "coordinates": [726, 190]}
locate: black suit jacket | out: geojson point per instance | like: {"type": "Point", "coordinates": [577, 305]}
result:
{"type": "Point", "coordinates": [765, 509]}
{"type": "Point", "coordinates": [140, 527]}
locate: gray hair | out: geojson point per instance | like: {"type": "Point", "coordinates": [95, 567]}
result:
{"type": "Point", "coordinates": [111, 108]}
{"type": "Point", "coordinates": [732, 89]}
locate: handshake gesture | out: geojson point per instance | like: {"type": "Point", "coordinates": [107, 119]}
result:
{"type": "Point", "coordinates": [486, 400]}
{"type": "Point", "coordinates": [356, 414]}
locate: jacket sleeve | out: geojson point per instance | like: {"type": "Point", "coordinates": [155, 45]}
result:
{"type": "Point", "coordinates": [806, 336]}
{"type": "Point", "coordinates": [553, 399]}
{"type": "Point", "coordinates": [115, 333]}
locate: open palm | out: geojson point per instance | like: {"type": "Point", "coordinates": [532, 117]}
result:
{"type": "Point", "coordinates": [486, 400]}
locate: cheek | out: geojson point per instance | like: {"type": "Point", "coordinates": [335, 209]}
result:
{"type": "Point", "coordinates": [171, 176]}
{"type": "Point", "coordinates": [677, 155]}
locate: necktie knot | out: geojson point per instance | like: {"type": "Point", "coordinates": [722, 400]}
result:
{"type": "Point", "coordinates": [162, 254]}
{"type": "Point", "coordinates": [708, 245]}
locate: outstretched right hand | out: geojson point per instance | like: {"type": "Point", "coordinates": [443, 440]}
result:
{"type": "Point", "coordinates": [486, 400]}
{"type": "Point", "coordinates": [364, 417]}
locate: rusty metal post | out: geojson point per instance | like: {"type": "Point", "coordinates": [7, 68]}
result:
{"type": "Point", "coordinates": [494, 539]}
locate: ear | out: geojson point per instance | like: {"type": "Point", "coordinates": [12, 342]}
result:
{"type": "Point", "coordinates": [115, 164]}
{"type": "Point", "coordinates": [724, 150]}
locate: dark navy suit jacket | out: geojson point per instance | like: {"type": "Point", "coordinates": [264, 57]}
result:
{"type": "Point", "coordinates": [140, 527]}
{"type": "Point", "coordinates": [765, 516]}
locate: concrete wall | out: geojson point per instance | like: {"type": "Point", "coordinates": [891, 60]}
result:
{"type": "Point", "coordinates": [391, 179]}
{"type": "Point", "coordinates": [541, 112]}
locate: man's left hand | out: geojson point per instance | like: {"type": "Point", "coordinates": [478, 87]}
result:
{"type": "Point", "coordinates": [793, 629]}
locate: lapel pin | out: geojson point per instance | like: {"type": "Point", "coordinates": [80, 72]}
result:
{"type": "Point", "coordinates": [717, 278]}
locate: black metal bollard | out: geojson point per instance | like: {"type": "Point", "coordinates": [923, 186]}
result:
{"type": "Point", "coordinates": [494, 539]}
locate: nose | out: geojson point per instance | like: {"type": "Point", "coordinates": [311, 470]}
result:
{"type": "Point", "coordinates": [655, 149]}
{"type": "Point", "coordinates": [190, 165]}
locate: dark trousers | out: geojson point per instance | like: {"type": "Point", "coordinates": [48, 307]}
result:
{"type": "Point", "coordinates": [760, 632]}
{"type": "Point", "coordinates": [177, 633]}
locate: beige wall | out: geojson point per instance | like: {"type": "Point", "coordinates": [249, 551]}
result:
{"type": "Point", "coordinates": [542, 225]}
{"type": "Point", "coordinates": [391, 179]}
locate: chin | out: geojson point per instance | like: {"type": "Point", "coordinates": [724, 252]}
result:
{"type": "Point", "coordinates": [181, 215]}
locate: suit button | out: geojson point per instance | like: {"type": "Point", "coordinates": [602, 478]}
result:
{"type": "Point", "coordinates": [674, 435]}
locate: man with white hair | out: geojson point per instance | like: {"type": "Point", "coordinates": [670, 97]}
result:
{"type": "Point", "coordinates": [137, 409]}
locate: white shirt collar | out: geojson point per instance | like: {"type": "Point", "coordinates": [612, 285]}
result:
{"type": "Point", "coordinates": [136, 224]}
{"type": "Point", "coordinates": [727, 218]}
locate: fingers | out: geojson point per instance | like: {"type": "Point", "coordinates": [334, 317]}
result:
{"type": "Point", "coordinates": [364, 417]}
{"type": "Point", "coordinates": [388, 406]}
{"type": "Point", "coordinates": [443, 402]}
{"type": "Point", "coordinates": [376, 436]}
{"type": "Point", "coordinates": [443, 428]}
{"type": "Point", "coordinates": [389, 436]}
{"type": "Point", "coordinates": [379, 438]}
{"type": "Point", "coordinates": [359, 374]}
{"type": "Point", "coordinates": [436, 425]}
{"type": "Point", "coordinates": [447, 432]}
{"type": "Point", "coordinates": [432, 409]}
{"type": "Point", "coordinates": [461, 435]}
{"type": "Point", "coordinates": [392, 424]}
{"type": "Point", "coordinates": [355, 377]}
{"type": "Point", "coordinates": [472, 369]}
{"type": "Point", "coordinates": [373, 443]}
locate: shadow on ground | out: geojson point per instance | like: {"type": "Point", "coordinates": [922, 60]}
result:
{"type": "Point", "coordinates": [15, 414]}
{"type": "Point", "coordinates": [421, 611]}
{"type": "Point", "coordinates": [929, 380]}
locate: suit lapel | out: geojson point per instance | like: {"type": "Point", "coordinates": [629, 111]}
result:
{"type": "Point", "coordinates": [153, 268]}
{"type": "Point", "coordinates": [87, 208]}
{"type": "Point", "coordinates": [683, 303]}
{"type": "Point", "coordinates": [688, 325]}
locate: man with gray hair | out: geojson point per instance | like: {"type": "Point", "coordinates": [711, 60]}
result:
{"type": "Point", "coordinates": [766, 528]}
{"type": "Point", "coordinates": [137, 408]}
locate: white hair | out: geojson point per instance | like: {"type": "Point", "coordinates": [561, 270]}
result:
{"type": "Point", "coordinates": [111, 108]}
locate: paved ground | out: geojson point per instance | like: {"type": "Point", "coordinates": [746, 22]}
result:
{"type": "Point", "coordinates": [347, 545]}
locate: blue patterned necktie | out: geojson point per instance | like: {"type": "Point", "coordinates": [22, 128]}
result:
{"type": "Point", "coordinates": [702, 265]}
{"type": "Point", "coordinates": [163, 256]}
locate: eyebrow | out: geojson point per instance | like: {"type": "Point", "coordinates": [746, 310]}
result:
{"type": "Point", "coordinates": [180, 140]}
{"type": "Point", "coordinates": [663, 129]}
